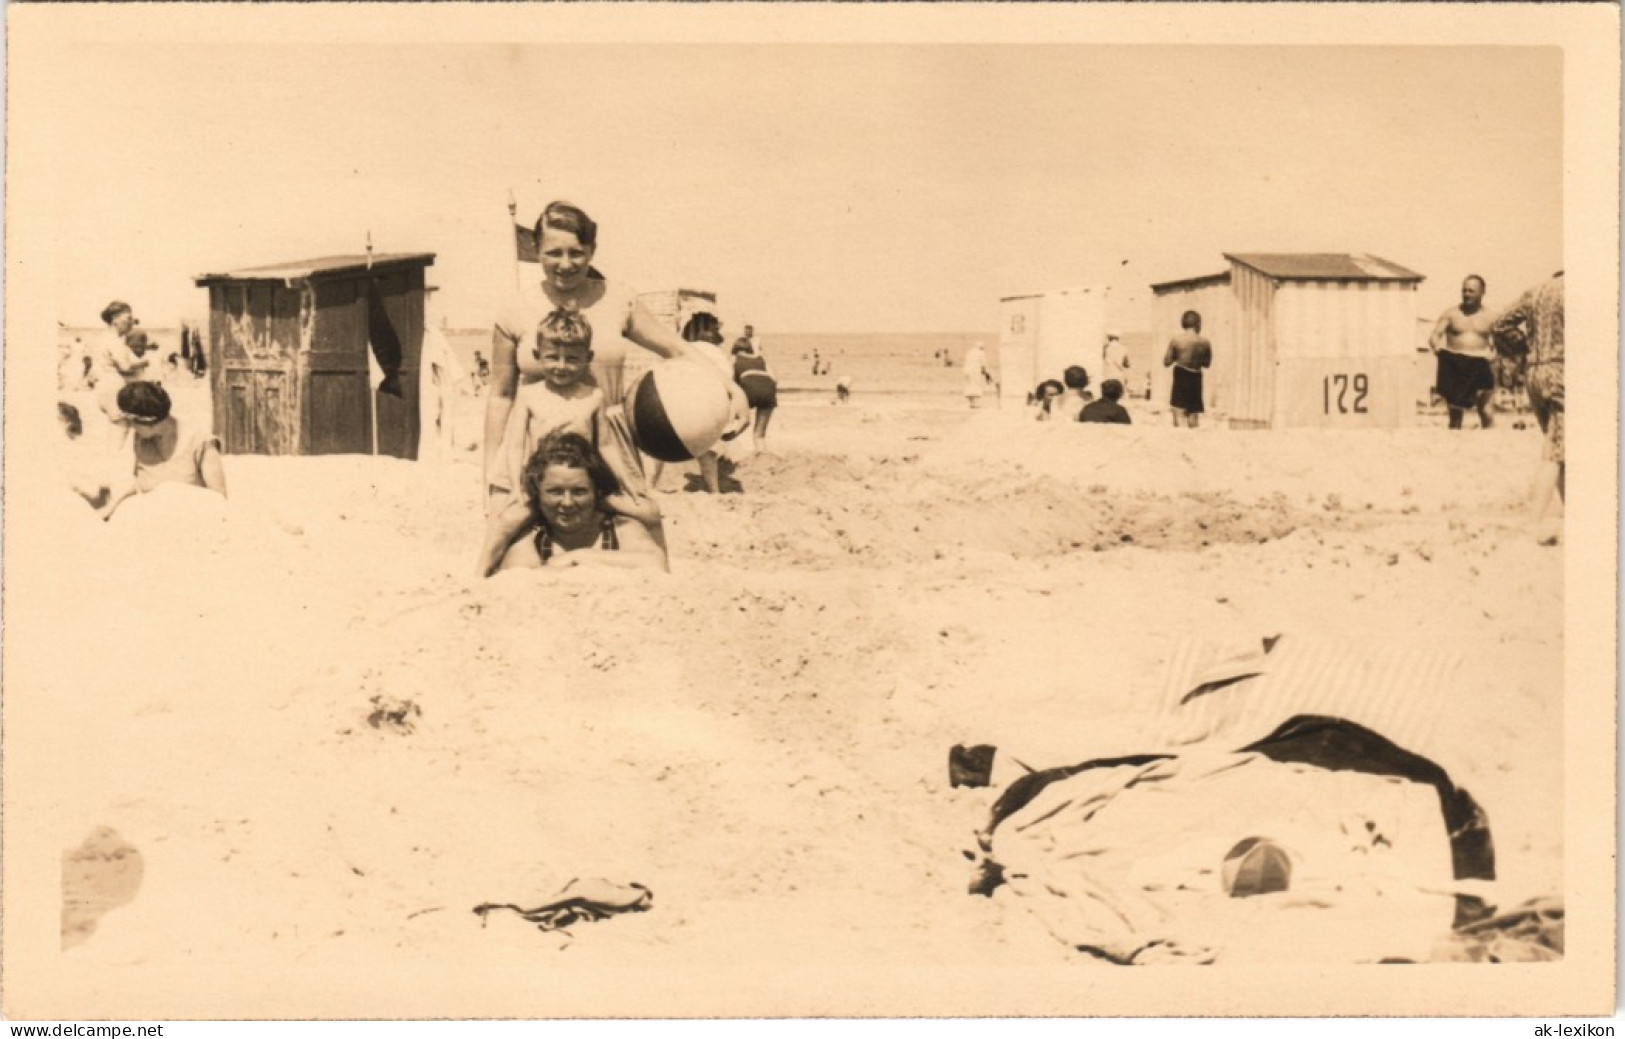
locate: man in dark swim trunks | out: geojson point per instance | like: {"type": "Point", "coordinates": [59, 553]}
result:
{"type": "Point", "coordinates": [1188, 353]}
{"type": "Point", "coordinates": [1461, 342]}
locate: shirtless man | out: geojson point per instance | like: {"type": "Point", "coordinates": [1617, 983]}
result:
{"type": "Point", "coordinates": [1461, 341]}
{"type": "Point", "coordinates": [1188, 353]}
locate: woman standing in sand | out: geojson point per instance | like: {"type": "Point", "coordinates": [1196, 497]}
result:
{"type": "Point", "coordinates": [976, 374]}
{"type": "Point", "coordinates": [567, 239]}
{"type": "Point", "coordinates": [761, 388]}
{"type": "Point", "coordinates": [566, 484]}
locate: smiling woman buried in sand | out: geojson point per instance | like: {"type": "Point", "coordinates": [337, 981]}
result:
{"type": "Point", "coordinates": [566, 483]}
{"type": "Point", "coordinates": [162, 448]}
{"type": "Point", "coordinates": [567, 239]}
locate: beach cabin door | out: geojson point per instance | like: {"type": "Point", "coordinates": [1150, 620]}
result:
{"type": "Point", "coordinates": [1018, 339]}
{"type": "Point", "coordinates": [354, 318]}
{"type": "Point", "coordinates": [253, 407]}
{"type": "Point", "coordinates": [339, 412]}
{"type": "Point", "coordinates": [394, 314]}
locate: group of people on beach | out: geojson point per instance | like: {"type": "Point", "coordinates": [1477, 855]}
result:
{"type": "Point", "coordinates": [564, 476]}
{"type": "Point", "coordinates": [144, 444]}
{"type": "Point", "coordinates": [563, 471]}
{"type": "Point", "coordinates": [1069, 398]}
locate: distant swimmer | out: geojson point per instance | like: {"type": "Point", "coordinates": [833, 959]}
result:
{"type": "Point", "coordinates": [1188, 353]}
{"type": "Point", "coordinates": [1461, 341]}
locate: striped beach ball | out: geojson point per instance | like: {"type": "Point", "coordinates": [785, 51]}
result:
{"type": "Point", "coordinates": [1256, 866]}
{"type": "Point", "coordinates": [678, 409]}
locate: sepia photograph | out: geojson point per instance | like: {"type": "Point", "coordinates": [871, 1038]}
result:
{"type": "Point", "coordinates": [802, 511]}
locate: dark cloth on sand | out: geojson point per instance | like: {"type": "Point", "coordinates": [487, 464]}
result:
{"type": "Point", "coordinates": [1187, 395]}
{"type": "Point", "coordinates": [1460, 379]}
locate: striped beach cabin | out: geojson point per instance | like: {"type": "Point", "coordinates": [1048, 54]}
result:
{"type": "Point", "coordinates": [1302, 340]}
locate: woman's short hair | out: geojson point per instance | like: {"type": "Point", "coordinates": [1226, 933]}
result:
{"type": "Point", "coordinates": [114, 309]}
{"type": "Point", "coordinates": [144, 400]}
{"type": "Point", "coordinates": [1076, 378]}
{"type": "Point", "coordinates": [1111, 389]}
{"type": "Point", "coordinates": [566, 326]}
{"type": "Point", "coordinates": [572, 451]}
{"type": "Point", "coordinates": [562, 216]}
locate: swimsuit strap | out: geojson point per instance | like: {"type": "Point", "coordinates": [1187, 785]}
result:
{"type": "Point", "coordinates": [608, 539]}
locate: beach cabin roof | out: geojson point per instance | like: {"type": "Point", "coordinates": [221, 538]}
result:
{"type": "Point", "coordinates": [1324, 266]}
{"type": "Point", "coordinates": [1040, 294]}
{"type": "Point", "coordinates": [322, 266]}
{"type": "Point", "coordinates": [1201, 281]}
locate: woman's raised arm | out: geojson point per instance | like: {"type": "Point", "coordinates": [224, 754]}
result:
{"type": "Point", "coordinates": [644, 329]}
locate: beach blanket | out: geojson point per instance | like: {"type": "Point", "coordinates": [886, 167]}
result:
{"type": "Point", "coordinates": [1132, 859]}
{"type": "Point", "coordinates": [1314, 839]}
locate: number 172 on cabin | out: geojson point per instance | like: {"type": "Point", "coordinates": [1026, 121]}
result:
{"type": "Point", "coordinates": [1344, 393]}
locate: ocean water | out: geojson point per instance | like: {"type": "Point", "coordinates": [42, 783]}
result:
{"type": "Point", "coordinates": [879, 363]}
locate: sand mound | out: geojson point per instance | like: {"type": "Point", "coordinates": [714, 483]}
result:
{"type": "Point", "coordinates": [331, 745]}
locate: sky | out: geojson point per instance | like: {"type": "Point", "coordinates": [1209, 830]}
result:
{"type": "Point", "coordinates": [815, 188]}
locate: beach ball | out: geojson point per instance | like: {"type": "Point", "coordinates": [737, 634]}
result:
{"type": "Point", "coordinates": [738, 412]}
{"type": "Point", "coordinates": [678, 409]}
{"type": "Point", "coordinates": [1256, 866]}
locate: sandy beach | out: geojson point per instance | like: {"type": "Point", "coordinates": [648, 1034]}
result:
{"type": "Point", "coordinates": [323, 742]}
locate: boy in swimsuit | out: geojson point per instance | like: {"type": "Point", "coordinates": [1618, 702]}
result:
{"type": "Point", "coordinates": [560, 402]}
{"type": "Point", "coordinates": [1188, 353]}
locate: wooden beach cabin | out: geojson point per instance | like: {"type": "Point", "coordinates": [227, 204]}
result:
{"type": "Point", "coordinates": [1042, 333]}
{"type": "Point", "coordinates": [289, 348]}
{"type": "Point", "coordinates": [1301, 340]}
